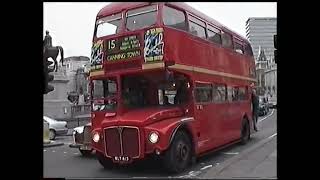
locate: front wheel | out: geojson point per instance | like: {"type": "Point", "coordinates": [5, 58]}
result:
{"type": "Point", "coordinates": [178, 156]}
{"type": "Point", "coordinates": [105, 162]}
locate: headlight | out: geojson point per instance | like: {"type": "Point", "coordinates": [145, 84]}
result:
{"type": "Point", "coordinates": [153, 137]}
{"type": "Point", "coordinates": [96, 137]}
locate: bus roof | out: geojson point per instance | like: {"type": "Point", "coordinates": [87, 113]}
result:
{"type": "Point", "coordinates": [118, 7]}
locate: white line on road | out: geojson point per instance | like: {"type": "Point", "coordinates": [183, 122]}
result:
{"type": "Point", "coordinates": [231, 153]}
{"type": "Point", "coordinates": [206, 167]}
{"type": "Point", "coordinates": [266, 116]}
{"type": "Point", "coordinates": [272, 135]}
{"type": "Point", "coordinates": [191, 174]}
{"type": "Point", "coordinates": [53, 151]}
{"type": "Point", "coordinates": [139, 177]}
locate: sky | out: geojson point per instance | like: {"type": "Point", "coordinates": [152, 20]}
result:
{"type": "Point", "coordinates": [71, 25]}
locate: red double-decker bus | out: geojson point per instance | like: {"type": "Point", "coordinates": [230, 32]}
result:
{"type": "Point", "coordinates": [169, 81]}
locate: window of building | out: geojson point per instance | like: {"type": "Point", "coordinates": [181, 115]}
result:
{"type": "Point", "coordinates": [197, 27]}
{"type": "Point", "coordinates": [219, 93]}
{"type": "Point", "coordinates": [108, 25]}
{"type": "Point", "coordinates": [227, 40]}
{"type": "Point", "coordinates": [214, 35]}
{"type": "Point", "coordinates": [141, 17]}
{"type": "Point", "coordinates": [174, 18]}
{"type": "Point", "coordinates": [203, 92]}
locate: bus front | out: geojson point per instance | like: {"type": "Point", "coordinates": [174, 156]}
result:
{"type": "Point", "coordinates": [137, 102]}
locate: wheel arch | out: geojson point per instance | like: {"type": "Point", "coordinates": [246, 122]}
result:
{"type": "Point", "coordinates": [185, 127]}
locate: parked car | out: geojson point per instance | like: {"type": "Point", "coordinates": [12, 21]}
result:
{"type": "Point", "coordinates": [263, 106]}
{"type": "Point", "coordinates": [56, 127]}
{"type": "Point", "coordinates": [82, 139]}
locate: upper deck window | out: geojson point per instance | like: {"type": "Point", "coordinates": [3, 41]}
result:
{"type": "Point", "coordinates": [108, 25]}
{"type": "Point", "coordinates": [141, 17]}
{"type": "Point", "coordinates": [227, 40]}
{"type": "Point", "coordinates": [197, 27]}
{"type": "Point", "coordinates": [174, 18]}
{"type": "Point", "coordinates": [214, 35]}
{"type": "Point", "coordinates": [248, 50]}
{"type": "Point", "coordinates": [238, 47]}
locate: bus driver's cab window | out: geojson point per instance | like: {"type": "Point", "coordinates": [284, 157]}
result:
{"type": "Point", "coordinates": [173, 93]}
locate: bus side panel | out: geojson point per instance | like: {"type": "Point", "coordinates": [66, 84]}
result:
{"type": "Point", "coordinates": [235, 117]}
{"type": "Point", "coordinates": [223, 132]}
{"type": "Point", "coordinates": [208, 126]}
{"type": "Point", "coordinates": [184, 48]}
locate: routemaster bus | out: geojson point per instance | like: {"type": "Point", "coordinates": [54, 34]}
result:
{"type": "Point", "coordinates": [167, 81]}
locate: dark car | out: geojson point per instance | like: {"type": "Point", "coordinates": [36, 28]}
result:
{"type": "Point", "coordinates": [82, 139]}
{"type": "Point", "coordinates": [263, 106]}
{"type": "Point", "coordinates": [273, 102]}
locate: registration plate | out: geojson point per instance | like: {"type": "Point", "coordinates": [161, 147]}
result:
{"type": "Point", "coordinates": [85, 148]}
{"type": "Point", "coordinates": [121, 158]}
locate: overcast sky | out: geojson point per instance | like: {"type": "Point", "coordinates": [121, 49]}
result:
{"type": "Point", "coordinates": [71, 25]}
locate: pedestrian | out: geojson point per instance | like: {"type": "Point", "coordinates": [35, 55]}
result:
{"type": "Point", "coordinates": [255, 108]}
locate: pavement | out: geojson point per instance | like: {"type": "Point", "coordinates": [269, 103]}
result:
{"type": "Point", "coordinates": [259, 161]}
{"type": "Point", "coordinates": [63, 161]}
{"type": "Point", "coordinates": [53, 143]}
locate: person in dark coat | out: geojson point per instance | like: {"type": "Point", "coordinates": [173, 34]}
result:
{"type": "Point", "coordinates": [255, 108]}
{"type": "Point", "coordinates": [47, 42]}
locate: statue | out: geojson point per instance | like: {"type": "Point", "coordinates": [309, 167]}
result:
{"type": "Point", "coordinates": [52, 51]}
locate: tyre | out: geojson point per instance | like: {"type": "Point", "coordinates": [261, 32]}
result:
{"type": "Point", "coordinates": [52, 134]}
{"type": "Point", "coordinates": [105, 162]}
{"type": "Point", "coordinates": [85, 152]}
{"type": "Point", "coordinates": [178, 156]}
{"type": "Point", "coordinates": [245, 132]}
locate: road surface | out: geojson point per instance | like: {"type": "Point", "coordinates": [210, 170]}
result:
{"type": "Point", "coordinates": [63, 161]}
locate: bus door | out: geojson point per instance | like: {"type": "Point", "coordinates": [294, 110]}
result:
{"type": "Point", "coordinates": [202, 112]}
{"type": "Point", "coordinates": [234, 114]}
{"type": "Point", "coordinates": [219, 113]}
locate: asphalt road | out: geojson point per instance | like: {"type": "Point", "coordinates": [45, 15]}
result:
{"type": "Point", "coordinates": [63, 161]}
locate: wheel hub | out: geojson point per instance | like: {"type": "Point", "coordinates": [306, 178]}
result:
{"type": "Point", "coordinates": [182, 152]}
